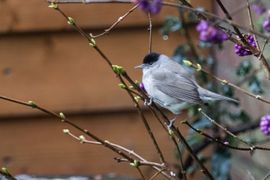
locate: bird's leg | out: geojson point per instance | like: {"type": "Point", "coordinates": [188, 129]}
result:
{"type": "Point", "coordinates": [170, 124]}
{"type": "Point", "coordinates": [148, 102]}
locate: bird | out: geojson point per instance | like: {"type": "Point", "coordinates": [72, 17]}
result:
{"type": "Point", "coordinates": [172, 86]}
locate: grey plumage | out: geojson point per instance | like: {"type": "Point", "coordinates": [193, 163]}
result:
{"type": "Point", "coordinates": [172, 86]}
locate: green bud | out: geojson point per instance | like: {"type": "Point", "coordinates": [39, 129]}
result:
{"type": "Point", "coordinates": [137, 98]}
{"type": "Point", "coordinates": [199, 67]}
{"type": "Point", "coordinates": [71, 21]}
{"type": "Point", "coordinates": [135, 163]}
{"type": "Point", "coordinates": [118, 69]}
{"type": "Point", "coordinates": [187, 62]}
{"type": "Point", "coordinates": [171, 133]}
{"type": "Point", "coordinates": [32, 104]}
{"type": "Point", "coordinates": [224, 81]}
{"type": "Point", "coordinates": [53, 5]}
{"type": "Point", "coordinates": [82, 139]}
{"type": "Point", "coordinates": [122, 86]}
{"type": "Point", "coordinates": [66, 131]}
{"type": "Point", "coordinates": [4, 170]}
{"type": "Point", "coordinates": [62, 116]}
{"type": "Point", "coordinates": [92, 42]}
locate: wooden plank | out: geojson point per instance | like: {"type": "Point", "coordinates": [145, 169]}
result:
{"type": "Point", "coordinates": [34, 15]}
{"type": "Point", "coordinates": [38, 146]}
{"type": "Point", "coordinates": [61, 72]}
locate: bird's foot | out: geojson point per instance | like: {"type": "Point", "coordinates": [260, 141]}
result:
{"type": "Point", "coordinates": [148, 102]}
{"type": "Point", "coordinates": [171, 123]}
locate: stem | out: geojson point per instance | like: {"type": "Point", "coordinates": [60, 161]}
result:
{"type": "Point", "coordinates": [148, 128]}
{"type": "Point", "coordinates": [150, 32]}
{"type": "Point", "coordinates": [121, 18]}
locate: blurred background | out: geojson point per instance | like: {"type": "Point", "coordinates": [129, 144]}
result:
{"type": "Point", "coordinates": [42, 59]}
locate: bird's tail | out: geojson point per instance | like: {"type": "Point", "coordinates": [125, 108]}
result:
{"type": "Point", "coordinates": [206, 95]}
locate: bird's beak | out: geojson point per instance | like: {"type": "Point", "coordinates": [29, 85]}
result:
{"type": "Point", "coordinates": [140, 66]}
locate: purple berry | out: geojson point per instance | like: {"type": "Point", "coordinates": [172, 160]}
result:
{"type": "Point", "coordinates": [209, 33]}
{"type": "Point", "coordinates": [266, 24]}
{"type": "Point", "coordinates": [149, 6]}
{"type": "Point", "coordinates": [265, 125]}
{"type": "Point", "coordinates": [241, 51]}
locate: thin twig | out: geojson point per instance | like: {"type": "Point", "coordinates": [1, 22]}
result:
{"type": "Point", "coordinates": [170, 4]}
{"type": "Point", "coordinates": [128, 151]}
{"type": "Point", "coordinates": [164, 125]}
{"type": "Point", "coordinates": [187, 35]}
{"type": "Point", "coordinates": [203, 168]}
{"type": "Point", "coordinates": [121, 18]}
{"type": "Point", "coordinates": [223, 81]}
{"type": "Point", "coordinates": [267, 176]}
{"type": "Point", "coordinates": [156, 174]}
{"type": "Point", "coordinates": [150, 32]}
{"type": "Point", "coordinates": [4, 172]}
{"type": "Point", "coordinates": [146, 124]}
{"type": "Point", "coordinates": [214, 138]}
{"type": "Point", "coordinates": [227, 14]}
{"type": "Point", "coordinates": [93, 44]}
{"type": "Point", "coordinates": [226, 130]}
{"type": "Point", "coordinates": [62, 117]}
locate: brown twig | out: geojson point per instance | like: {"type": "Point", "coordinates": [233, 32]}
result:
{"type": "Point", "coordinates": [150, 32]}
{"type": "Point", "coordinates": [116, 71]}
{"type": "Point", "coordinates": [147, 126]}
{"type": "Point", "coordinates": [4, 172]}
{"type": "Point", "coordinates": [121, 18]}
{"type": "Point", "coordinates": [164, 125]}
{"type": "Point", "coordinates": [223, 81]}
{"type": "Point", "coordinates": [141, 162]}
{"type": "Point", "coordinates": [226, 130]}
{"type": "Point", "coordinates": [227, 14]}
{"type": "Point", "coordinates": [214, 138]}
{"type": "Point", "coordinates": [204, 170]}
{"type": "Point", "coordinates": [62, 117]}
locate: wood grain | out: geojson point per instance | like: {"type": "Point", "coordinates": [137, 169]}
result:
{"type": "Point", "coordinates": [60, 71]}
{"type": "Point", "coordinates": [38, 146]}
{"type": "Point", "coordinates": [34, 15]}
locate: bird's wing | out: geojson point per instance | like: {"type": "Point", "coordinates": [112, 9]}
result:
{"type": "Point", "coordinates": [178, 86]}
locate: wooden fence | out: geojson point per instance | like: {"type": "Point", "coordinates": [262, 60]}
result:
{"type": "Point", "coordinates": [42, 59]}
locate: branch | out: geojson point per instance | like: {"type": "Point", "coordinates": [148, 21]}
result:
{"type": "Point", "coordinates": [121, 18]}
{"type": "Point", "coordinates": [142, 161]}
{"type": "Point", "coordinates": [223, 81]}
{"type": "Point", "coordinates": [4, 172]}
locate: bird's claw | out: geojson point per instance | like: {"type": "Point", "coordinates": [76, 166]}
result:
{"type": "Point", "coordinates": [171, 123]}
{"type": "Point", "coordinates": [148, 102]}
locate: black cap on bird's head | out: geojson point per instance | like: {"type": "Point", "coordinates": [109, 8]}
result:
{"type": "Point", "coordinates": [148, 60]}
{"type": "Point", "coordinates": [151, 58]}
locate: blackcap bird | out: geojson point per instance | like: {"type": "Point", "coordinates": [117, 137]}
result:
{"type": "Point", "coordinates": [171, 85]}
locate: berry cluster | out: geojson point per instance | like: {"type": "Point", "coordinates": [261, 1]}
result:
{"type": "Point", "coordinates": [266, 24]}
{"type": "Point", "coordinates": [265, 125]}
{"type": "Point", "coordinates": [149, 6]}
{"type": "Point", "coordinates": [209, 33]}
{"type": "Point", "coordinates": [240, 50]}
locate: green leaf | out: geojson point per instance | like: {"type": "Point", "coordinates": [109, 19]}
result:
{"type": "Point", "coordinates": [227, 90]}
{"type": "Point", "coordinates": [171, 24]}
{"type": "Point", "coordinates": [242, 116]}
{"type": "Point", "coordinates": [244, 68]}
{"type": "Point", "coordinates": [221, 164]}
{"type": "Point", "coordinates": [255, 85]}
{"type": "Point", "coordinates": [202, 123]}
{"type": "Point", "coordinates": [180, 53]}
